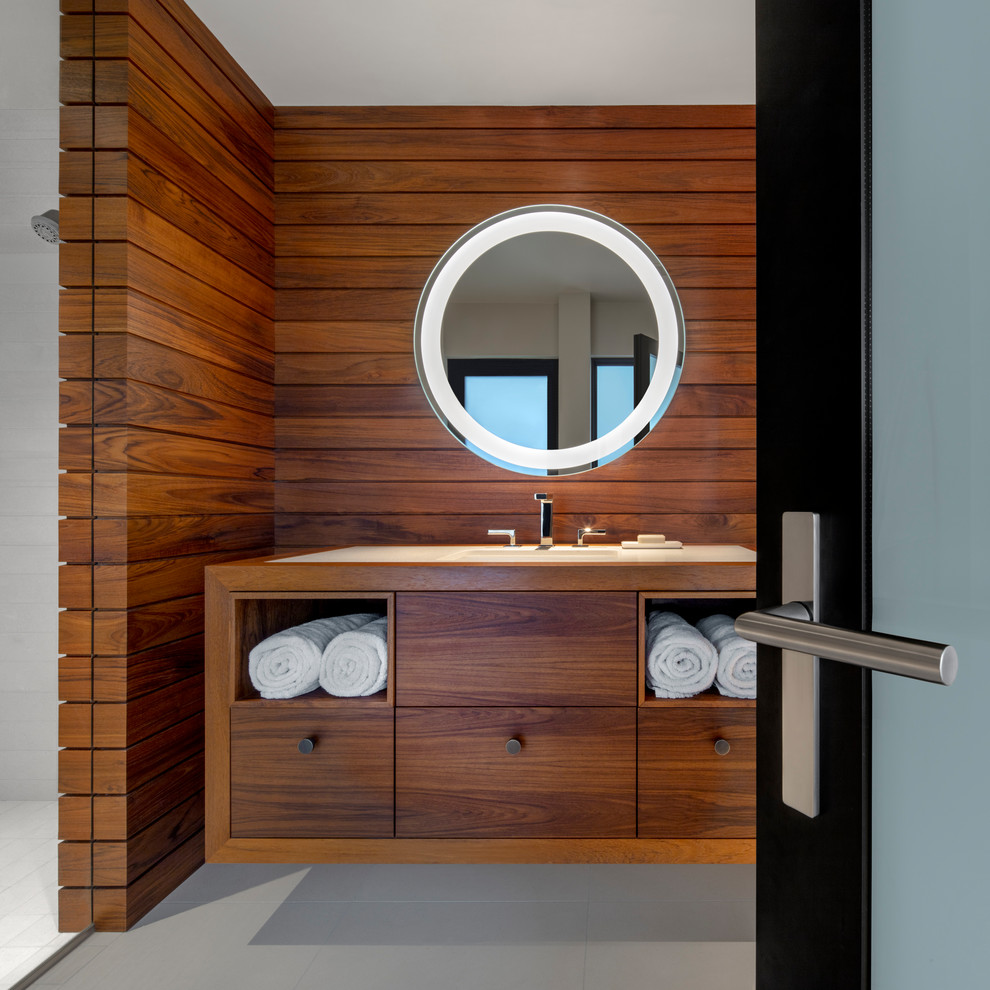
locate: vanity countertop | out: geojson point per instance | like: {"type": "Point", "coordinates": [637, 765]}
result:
{"type": "Point", "coordinates": [602, 567]}
{"type": "Point", "coordinates": [597, 554]}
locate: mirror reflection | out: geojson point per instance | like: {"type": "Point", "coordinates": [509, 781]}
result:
{"type": "Point", "coordinates": [550, 340]}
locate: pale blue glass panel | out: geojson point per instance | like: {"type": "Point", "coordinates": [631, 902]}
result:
{"type": "Point", "coordinates": [931, 496]}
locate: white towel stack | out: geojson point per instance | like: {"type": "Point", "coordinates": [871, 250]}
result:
{"type": "Point", "coordinates": [736, 676]}
{"type": "Point", "coordinates": [287, 664]}
{"type": "Point", "coordinates": [355, 663]}
{"type": "Point", "coordinates": [680, 661]}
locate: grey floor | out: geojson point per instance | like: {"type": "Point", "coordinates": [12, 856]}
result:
{"type": "Point", "coordinates": [405, 927]}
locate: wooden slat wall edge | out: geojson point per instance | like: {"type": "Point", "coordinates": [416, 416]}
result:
{"type": "Point", "coordinates": [122, 42]}
{"type": "Point", "coordinates": [117, 908]}
{"type": "Point", "coordinates": [133, 312]}
{"type": "Point", "coordinates": [75, 671]}
{"type": "Point", "coordinates": [125, 678]}
{"type": "Point", "coordinates": [173, 221]}
{"type": "Point", "coordinates": [204, 39]}
{"type": "Point", "coordinates": [125, 264]}
{"type": "Point", "coordinates": [208, 64]}
{"type": "Point", "coordinates": [737, 115]}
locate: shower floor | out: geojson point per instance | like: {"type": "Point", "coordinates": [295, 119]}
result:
{"type": "Point", "coordinates": [28, 888]}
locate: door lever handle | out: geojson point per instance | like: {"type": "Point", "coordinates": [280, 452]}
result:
{"type": "Point", "coordinates": [789, 627]}
{"type": "Point", "coordinates": [794, 628]}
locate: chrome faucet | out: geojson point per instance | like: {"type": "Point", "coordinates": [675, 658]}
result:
{"type": "Point", "coordinates": [546, 520]}
{"type": "Point", "coordinates": [587, 531]}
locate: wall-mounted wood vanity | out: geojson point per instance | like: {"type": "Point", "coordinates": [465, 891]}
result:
{"type": "Point", "coordinates": [550, 655]}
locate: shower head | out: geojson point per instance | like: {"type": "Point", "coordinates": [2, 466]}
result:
{"type": "Point", "coordinates": [45, 225]}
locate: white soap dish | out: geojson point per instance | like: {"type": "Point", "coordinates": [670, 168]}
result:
{"type": "Point", "coordinates": [645, 544]}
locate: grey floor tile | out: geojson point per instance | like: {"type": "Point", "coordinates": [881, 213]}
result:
{"type": "Point", "coordinates": [516, 967]}
{"type": "Point", "coordinates": [475, 882]}
{"type": "Point", "coordinates": [674, 881]}
{"type": "Point", "coordinates": [203, 948]}
{"type": "Point", "coordinates": [671, 921]}
{"type": "Point", "coordinates": [243, 881]}
{"type": "Point", "coordinates": [461, 923]}
{"type": "Point", "coordinates": [671, 966]}
{"type": "Point", "coordinates": [330, 882]}
{"type": "Point", "coordinates": [301, 923]}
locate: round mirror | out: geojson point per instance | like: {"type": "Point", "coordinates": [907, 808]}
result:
{"type": "Point", "coordinates": [549, 339]}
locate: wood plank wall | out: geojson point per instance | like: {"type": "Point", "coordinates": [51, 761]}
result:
{"type": "Point", "coordinates": [167, 317]}
{"type": "Point", "coordinates": [367, 199]}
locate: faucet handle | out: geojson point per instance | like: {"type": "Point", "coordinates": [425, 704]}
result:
{"type": "Point", "coordinates": [510, 533]}
{"type": "Point", "coordinates": [587, 531]}
{"type": "Point", "coordinates": [543, 497]}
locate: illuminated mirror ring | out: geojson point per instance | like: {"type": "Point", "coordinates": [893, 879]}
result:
{"type": "Point", "coordinates": [540, 219]}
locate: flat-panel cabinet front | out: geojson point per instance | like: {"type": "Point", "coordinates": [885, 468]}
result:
{"type": "Point", "coordinates": [697, 772]}
{"type": "Point", "coordinates": [526, 772]}
{"type": "Point", "coordinates": [302, 772]}
{"type": "Point", "coordinates": [508, 648]}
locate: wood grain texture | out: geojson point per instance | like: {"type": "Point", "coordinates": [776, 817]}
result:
{"type": "Point", "coordinates": [367, 200]}
{"type": "Point", "coordinates": [551, 649]}
{"type": "Point", "coordinates": [344, 787]}
{"type": "Point", "coordinates": [168, 223]}
{"type": "Point", "coordinates": [685, 787]}
{"type": "Point", "coordinates": [115, 909]}
{"type": "Point", "coordinates": [487, 850]}
{"type": "Point", "coordinates": [573, 776]}
{"type": "Point", "coordinates": [403, 117]}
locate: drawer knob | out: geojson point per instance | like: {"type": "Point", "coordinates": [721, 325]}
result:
{"type": "Point", "coordinates": [722, 746]}
{"type": "Point", "coordinates": [306, 745]}
{"type": "Point", "coordinates": [513, 746]}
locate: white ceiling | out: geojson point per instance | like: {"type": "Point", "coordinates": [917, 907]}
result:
{"type": "Point", "coordinates": [490, 52]}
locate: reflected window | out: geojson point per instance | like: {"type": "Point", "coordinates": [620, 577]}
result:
{"type": "Point", "coordinates": [515, 398]}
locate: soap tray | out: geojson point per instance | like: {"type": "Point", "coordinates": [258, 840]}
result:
{"type": "Point", "coordinates": [644, 545]}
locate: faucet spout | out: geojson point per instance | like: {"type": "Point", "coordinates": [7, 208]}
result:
{"type": "Point", "coordinates": [546, 519]}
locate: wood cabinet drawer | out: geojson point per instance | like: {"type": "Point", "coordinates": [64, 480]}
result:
{"type": "Point", "coordinates": [344, 787]}
{"type": "Point", "coordinates": [685, 787]}
{"type": "Point", "coordinates": [574, 774]}
{"type": "Point", "coordinates": [546, 648]}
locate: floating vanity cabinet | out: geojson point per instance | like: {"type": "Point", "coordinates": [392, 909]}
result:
{"type": "Point", "coordinates": [515, 725]}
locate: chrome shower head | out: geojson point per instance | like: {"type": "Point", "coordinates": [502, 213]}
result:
{"type": "Point", "coordinates": [45, 225]}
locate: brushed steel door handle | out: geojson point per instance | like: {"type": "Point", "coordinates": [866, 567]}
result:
{"type": "Point", "coordinates": [796, 630]}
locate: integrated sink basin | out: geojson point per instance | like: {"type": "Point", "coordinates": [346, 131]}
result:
{"type": "Point", "coordinates": [562, 553]}
{"type": "Point", "coordinates": [530, 555]}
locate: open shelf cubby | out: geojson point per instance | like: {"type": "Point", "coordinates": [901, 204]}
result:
{"type": "Point", "coordinates": [256, 616]}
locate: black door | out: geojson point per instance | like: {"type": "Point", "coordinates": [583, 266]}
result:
{"type": "Point", "coordinates": [813, 444]}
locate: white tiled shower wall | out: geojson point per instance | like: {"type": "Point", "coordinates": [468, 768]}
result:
{"type": "Point", "coordinates": [28, 401]}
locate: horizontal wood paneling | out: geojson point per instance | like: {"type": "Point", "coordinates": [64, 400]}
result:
{"type": "Point", "coordinates": [168, 269]}
{"type": "Point", "coordinates": [367, 199]}
{"type": "Point", "coordinates": [432, 239]}
{"type": "Point", "coordinates": [734, 115]}
{"type": "Point", "coordinates": [360, 144]}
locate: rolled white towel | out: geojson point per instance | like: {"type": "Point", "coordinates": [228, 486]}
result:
{"type": "Point", "coordinates": [680, 662]}
{"type": "Point", "coordinates": [287, 663]}
{"type": "Point", "coordinates": [736, 676]}
{"type": "Point", "coordinates": [355, 664]}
